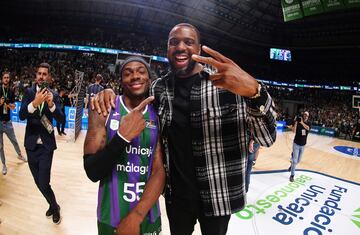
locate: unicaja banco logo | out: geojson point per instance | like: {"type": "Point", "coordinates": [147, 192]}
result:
{"type": "Point", "coordinates": [356, 217]}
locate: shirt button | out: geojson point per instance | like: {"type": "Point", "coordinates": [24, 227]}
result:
{"type": "Point", "coordinates": [262, 108]}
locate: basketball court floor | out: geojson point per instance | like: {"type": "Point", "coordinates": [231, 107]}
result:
{"type": "Point", "coordinates": [324, 199]}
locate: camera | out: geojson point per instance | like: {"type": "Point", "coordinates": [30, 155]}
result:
{"type": "Point", "coordinates": [298, 119]}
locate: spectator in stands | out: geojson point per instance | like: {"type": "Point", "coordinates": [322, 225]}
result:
{"type": "Point", "coordinates": [356, 131]}
{"type": "Point", "coordinates": [93, 89]}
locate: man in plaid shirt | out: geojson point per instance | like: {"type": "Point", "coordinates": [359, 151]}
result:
{"type": "Point", "coordinates": [204, 119]}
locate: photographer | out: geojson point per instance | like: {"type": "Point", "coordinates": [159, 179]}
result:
{"type": "Point", "coordinates": [301, 128]}
{"type": "Point", "coordinates": [39, 106]}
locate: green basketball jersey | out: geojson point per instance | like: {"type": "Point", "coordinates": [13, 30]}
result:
{"type": "Point", "coordinates": [120, 192]}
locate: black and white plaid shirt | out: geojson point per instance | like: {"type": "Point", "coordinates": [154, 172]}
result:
{"type": "Point", "coordinates": [219, 121]}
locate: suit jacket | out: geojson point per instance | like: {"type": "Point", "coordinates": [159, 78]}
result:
{"type": "Point", "coordinates": [34, 127]}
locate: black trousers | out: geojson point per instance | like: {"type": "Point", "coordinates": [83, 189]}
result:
{"type": "Point", "coordinates": [60, 126]}
{"type": "Point", "coordinates": [40, 161]}
{"type": "Point", "coordinates": [182, 215]}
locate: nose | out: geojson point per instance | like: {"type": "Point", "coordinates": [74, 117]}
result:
{"type": "Point", "coordinates": [181, 46]}
{"type": "Point", "coordinates": [136, 76]}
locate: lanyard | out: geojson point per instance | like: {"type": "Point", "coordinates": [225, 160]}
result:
{"type": "Point", "coordinates": [5, 93]}
{"type": "Point", "coordinates": [41, 107]}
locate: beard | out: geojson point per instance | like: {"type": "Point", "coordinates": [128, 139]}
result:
{"type": "Point", "coordinates": [184, 71]}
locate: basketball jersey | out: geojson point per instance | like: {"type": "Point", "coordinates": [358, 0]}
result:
{"type": "Point", "coordinates": [120, 192]}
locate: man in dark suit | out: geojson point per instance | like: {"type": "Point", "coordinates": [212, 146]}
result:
{"type": "Point", "coordinates": [39, 106]}
{"type": "Point", "coordinates": [64, 101]}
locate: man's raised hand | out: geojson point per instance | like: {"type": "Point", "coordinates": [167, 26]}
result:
{"type": "Point", "coordinates": [103, 101]}
{"type": "Point", "coordinates": [229, 75]}
{"type": "Point", "coordinates": [40, 97]}
{"type": "Point", "coordinates": [50, 99]}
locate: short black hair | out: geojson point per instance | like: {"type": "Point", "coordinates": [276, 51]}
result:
{"type": "Point", "coordinates": [45, 65]}
{"type": "Point", "coordinates": [189, 26]}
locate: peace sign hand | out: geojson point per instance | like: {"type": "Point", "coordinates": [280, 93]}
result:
{"type": "Point", "coordinates": [133, 123]}
{"type": "Point", "coordinates": [229, 75]}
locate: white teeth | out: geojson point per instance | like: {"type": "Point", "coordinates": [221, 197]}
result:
{"type": "Point", "coordinates": [181, 57]}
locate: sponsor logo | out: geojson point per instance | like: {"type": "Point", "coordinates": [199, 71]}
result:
{"type": "Point", "coordinates": [323, 217]}
{"type": "Point", "coordinates": [139, 151]}
{"type": "Point", "coordinates": [261, 205]}
{"type": "Point", "coordinates": [131, 168]}
{"type": "Point", "coordinates": [348, 150]}
{"type": "Point", "coordinates": [114, 124]}
{"type": "Point", "coordinates": [356, 217]}
{"type": "Point", "coordinates": [150, 124]}
{"type": "Point", "coordinates": [313, 204]}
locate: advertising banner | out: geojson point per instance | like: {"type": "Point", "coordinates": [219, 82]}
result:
{"type": "Point", "coordinates": [323, 131]}
{"type": "Point", "coordinates": [291, 10]}
{"type": "Point", "coordinates": [312, 7]}
{"type": "Point", "coordinates": [314, 203]}
{"type": "Point", "coordinates": [70, 115]}
{"type": "Point", "coordinates": [330, 5]}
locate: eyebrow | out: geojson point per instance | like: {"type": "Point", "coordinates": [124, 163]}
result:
{"type": "Point", "coordinates": [134, 68]}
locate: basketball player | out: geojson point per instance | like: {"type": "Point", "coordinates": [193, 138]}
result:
{"type": "Point", "coordinates": [123, 152]}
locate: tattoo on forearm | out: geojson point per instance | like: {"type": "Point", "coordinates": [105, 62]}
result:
{"type": "Point", "coordinates": [96, 134]}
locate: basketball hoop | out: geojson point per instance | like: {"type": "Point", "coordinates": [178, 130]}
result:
{"type": "Point", "coordinates": [356, 102]}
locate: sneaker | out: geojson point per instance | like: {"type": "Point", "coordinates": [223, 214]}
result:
{"type": "Point", "coordinates": [4, 170]}
{"type": "Point", "coordinates": [56, 217]}
{"type": "Point", "coordinates": [63, 133]}
{"type": "Point", "coordinates": [50, 212]}
{"type": "Point", "coordinates": [20, 157]}
{"type": "Point", "coordinates": [291, 178]}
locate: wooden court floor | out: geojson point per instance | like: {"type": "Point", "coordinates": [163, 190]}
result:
{"type": "Point", "coordinates": [23, 207]}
